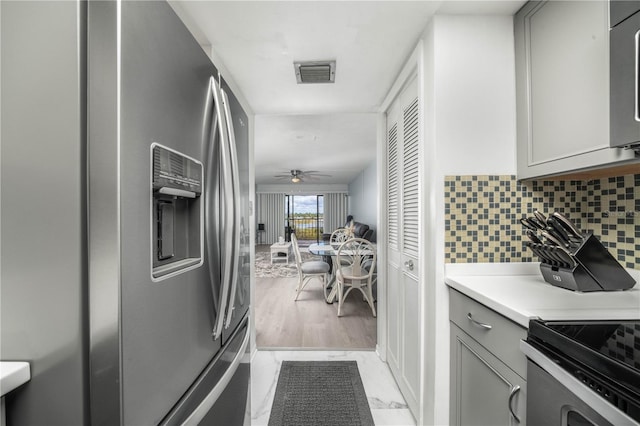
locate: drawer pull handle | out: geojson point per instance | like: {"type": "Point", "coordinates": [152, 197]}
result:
{"type": "Point", "coordinates": [512, 394]}
{"type": "Point", "coordinates": [478, 323]}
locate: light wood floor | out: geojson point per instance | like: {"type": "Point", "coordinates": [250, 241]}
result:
{"type": "Point", "coordinates": [309, 322]}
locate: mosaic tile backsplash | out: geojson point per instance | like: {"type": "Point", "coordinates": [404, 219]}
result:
{"type": "Point", "coordinates": [482, 215]}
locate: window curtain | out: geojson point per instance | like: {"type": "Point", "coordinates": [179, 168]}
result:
{"type": "Point", "coordinates": [335, 211]}
{"type": "Point", "coordinates": [271, 213]}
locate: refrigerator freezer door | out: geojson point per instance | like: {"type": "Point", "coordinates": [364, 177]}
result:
{"type": "Point", "coordinates": [221, 390]}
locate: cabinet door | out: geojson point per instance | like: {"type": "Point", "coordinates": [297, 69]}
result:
{"type": "Point", "coordinates": [482, 386]}
{"type": "Point", "coordinates": [403, 213]}
{"type": "Point", "coordinates": [562, 87]}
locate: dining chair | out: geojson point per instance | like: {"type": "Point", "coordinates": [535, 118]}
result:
{"type": "Point", "coordinates": [309, 269]}
{"type": "Point", "coordinates": [357, 258]}
{"type": "Point", "coordinates": [374, 276]}
{"type": "Point", "coordinates": [339, 236]}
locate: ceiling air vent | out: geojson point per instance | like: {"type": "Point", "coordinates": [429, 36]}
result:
{"type": "Point", "coordinates": [315, 72]}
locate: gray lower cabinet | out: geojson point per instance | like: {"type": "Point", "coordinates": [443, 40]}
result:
{"type": "Point", "coordinates": [485, 389]}
{"type": "Point", "coordinates": [562, 88]}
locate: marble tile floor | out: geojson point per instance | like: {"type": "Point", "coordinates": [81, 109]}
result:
{"type": "Point", "coordinates": [385, 400]}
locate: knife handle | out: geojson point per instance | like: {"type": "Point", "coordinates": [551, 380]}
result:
{"type": "Point", "coordinates": [533, 237]}
{"type": "Point", "coordinates": [541, 217]}
{"type": "Point", "coordinates": [528, 225]}
{"type": "Point", "coordinates": [535, 222]}
{"type": "Point", "coordinates": [555, 241]}
{"type": "Point", "coordinates": [568, 260]}
{"type": "Point", "coordinates": [568, 225]}
{"type": "Point", "coordinates": [559, 230]}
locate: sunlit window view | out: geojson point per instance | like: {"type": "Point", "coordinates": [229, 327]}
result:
{"type": "Point", "coordinates": [304, 216]}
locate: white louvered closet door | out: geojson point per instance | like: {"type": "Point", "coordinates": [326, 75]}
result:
{"type": "Point", "coordinates": [403, 213]}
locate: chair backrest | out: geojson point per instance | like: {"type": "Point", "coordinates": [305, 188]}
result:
{"type": "Point", "coordinates": [296, 251]}
{"type": "Point", "coordinates": [339, 236]}
{"type": "Point", "coordinates": [361, 255]}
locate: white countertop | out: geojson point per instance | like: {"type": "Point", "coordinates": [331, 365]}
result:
{"type": "Point", "coordinates": [12, 375]}
{"type": "Point", "coordinates": [518, 291]}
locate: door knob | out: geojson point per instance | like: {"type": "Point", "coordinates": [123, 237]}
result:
{"type": "Point", "coordinates": [409, 265]}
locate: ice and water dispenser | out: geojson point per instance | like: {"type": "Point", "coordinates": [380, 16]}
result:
{"type": "Point", "coordinates": [176, 213]}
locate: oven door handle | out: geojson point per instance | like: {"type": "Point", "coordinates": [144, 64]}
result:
{"type": "Point", "coordinates": [514, 391]}
{"type": "Point", "coordinates": [576, 387]}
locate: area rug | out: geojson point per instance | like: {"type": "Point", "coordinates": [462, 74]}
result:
{"type": "Point", "coordinates": [279, 269]}
{"type": "Point", "coordinates": [328, 393]}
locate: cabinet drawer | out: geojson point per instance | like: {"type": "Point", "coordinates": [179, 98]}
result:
{"type": "Point", "coordinates": [502, 338]}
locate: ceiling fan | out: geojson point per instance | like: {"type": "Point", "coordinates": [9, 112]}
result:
{"type": "Point", "coordinates": [297, 176]}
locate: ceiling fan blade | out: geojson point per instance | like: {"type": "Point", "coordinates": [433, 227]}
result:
{"type": "Point", "coordinates": [320, 175]}
{"type": "Point", "coordinates": [315, 175]}
{"type": "Point", "coordinates": [301, 175]}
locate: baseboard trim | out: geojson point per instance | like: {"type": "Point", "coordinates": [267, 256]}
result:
{"type": "Point", "coordinates": [323, 349]}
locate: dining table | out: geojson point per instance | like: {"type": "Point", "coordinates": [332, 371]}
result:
{"type": "Point", "coordinates": [329, 254]}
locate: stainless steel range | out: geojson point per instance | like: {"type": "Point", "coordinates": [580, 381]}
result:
{"type": "Point", "coordinates": [583, 372]}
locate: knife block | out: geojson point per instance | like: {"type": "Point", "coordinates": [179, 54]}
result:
{"type": "Point", "coordinates": [595, 269]}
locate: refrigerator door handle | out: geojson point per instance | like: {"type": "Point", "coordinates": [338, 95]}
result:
{"type": "Point", "coordinates": [236, 207]}
{"type": "Point", "coordinates": [211, 200]}
{"type": "Point", "coordinates": [212, 196]}
{"type": "Point", "coordinates": [227, 212]}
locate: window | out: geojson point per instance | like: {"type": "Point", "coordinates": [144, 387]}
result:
{"type": "Point", "coordinates": [304, 216]}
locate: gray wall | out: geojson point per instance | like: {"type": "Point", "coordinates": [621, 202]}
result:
{"type": "Point", "coordinates": [363, 193]}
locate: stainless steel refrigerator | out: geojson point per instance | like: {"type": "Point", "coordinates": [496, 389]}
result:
{"type": "Point", "coordinates": [124, 213]}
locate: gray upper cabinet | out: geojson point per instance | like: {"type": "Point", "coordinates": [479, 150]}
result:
{"type": "Point", "coordinates": [623, 66]}
{"type": "Point", "coordinates": [562, 88]}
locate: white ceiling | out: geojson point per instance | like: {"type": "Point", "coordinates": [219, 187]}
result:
{"type": "Point", "coordinates": [258, 42]}
{"type": "Point", "coordinates": [340, 145]}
